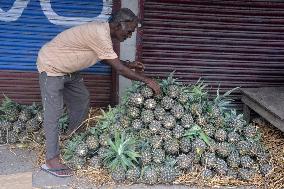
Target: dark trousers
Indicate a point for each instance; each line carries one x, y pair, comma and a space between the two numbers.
55, 92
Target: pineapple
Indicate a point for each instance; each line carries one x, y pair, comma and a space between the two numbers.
167, 102
133, 174
173, 91
207, 173
220, 135
171, 146
233, 137
165, 133
232, 173
102, 153
11, 109
3, 135
92, 142
234, 159
158, 155
198, 146
19, 126
246, 174
208, 160
76, 162
224, 149
146, 156
168, 172
178, 131
81, 150
247, 162
95, 162
149, 175
146, 92
144, 133
169, 122
250, 131
184, 161
147, 116
32, 125
185, 145
187, 121
177, 111
183, 98
235, 120
155, 126
12, 137
137, 124
124, 121
133, 112
136, 99
150, 104
243, 147
118, 174
103, 139
159, 113
221, 167
196, 109
209, 130
265, 168
25, 114
156, 141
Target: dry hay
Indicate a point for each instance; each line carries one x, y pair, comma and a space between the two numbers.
272, 138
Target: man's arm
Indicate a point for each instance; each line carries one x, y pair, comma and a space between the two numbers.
128, 73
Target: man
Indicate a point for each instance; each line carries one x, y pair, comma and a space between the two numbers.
58, 64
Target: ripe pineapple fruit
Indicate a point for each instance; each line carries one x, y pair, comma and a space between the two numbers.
149, 175
158, 155
137, 124
247, 162
147, 116
150, 104
76, 162
178, 131
169, 122
95, 162
224, 149
133, 112
250, 131
165, 133
234, 159
185, 145
173, 91
103, 139
177, 111
146, 92
220, 135
118, 174
156, 141
32, 125
168, 172
133, 174
196, 109
81, 150
209, 130
184, 161
171, 146
159, 113
167, 102
146, 156
187, 120
243, 147
221, 167
208, 160
246, 174
198, 146
155, 126
233, 137
92, 142
136, 99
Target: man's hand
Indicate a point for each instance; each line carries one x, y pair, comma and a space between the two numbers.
153, 85
137, 66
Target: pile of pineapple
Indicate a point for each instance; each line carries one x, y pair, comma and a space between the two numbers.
20, 123
155, 139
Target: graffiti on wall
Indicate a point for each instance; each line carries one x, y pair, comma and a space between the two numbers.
46, 5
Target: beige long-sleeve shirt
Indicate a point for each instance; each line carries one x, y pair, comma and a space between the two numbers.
75, 49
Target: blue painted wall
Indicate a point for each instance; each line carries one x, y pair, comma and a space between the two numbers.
26, 25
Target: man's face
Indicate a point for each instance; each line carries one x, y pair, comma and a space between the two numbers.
125, 30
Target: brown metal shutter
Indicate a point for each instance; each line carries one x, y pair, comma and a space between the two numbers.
231, 43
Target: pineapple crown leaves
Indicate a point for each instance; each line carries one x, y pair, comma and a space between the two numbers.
222, 101
108, 118
132, 89
7, 103
196, 131
71, 146
197, 90
169, 81
121, 152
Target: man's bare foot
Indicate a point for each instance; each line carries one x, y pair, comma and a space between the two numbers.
57, 168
